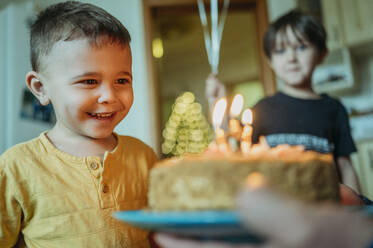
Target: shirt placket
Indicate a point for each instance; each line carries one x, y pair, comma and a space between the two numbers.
104, 191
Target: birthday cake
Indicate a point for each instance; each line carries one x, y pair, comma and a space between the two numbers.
211, 181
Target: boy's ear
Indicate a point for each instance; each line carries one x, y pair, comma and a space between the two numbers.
37, 87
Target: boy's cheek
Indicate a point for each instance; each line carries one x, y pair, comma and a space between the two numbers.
129, 102
126, 97
131, 98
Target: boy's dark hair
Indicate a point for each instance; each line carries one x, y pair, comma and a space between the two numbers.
301, 24
73, 20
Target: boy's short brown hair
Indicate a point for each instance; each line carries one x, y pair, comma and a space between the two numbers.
302, 24
73, 20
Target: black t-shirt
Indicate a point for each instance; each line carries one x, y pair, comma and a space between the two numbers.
317, 124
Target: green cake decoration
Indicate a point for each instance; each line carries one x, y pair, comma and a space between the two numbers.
187, 130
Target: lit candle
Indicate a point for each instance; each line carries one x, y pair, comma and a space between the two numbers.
234, 125
217, 118
246, 119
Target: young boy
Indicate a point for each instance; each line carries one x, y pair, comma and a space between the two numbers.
295, 44
60, 189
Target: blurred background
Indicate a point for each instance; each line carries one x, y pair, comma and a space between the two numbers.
169, 58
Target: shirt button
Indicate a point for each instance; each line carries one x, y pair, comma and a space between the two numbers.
105, 188
94, 166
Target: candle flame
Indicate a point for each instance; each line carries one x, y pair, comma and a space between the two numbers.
237, 105
218, 112
247, 117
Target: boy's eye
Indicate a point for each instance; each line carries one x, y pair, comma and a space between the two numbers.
123, 81
301, 47
279, 50
90, 81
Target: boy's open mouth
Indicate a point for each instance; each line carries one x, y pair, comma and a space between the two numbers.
102, 116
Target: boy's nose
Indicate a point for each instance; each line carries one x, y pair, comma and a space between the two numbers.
291, 54
106, 94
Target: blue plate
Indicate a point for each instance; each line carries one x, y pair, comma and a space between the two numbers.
208, 225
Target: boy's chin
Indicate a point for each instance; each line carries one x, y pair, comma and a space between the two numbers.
296, 83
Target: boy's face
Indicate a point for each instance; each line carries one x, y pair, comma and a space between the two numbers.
90, 87
294, 59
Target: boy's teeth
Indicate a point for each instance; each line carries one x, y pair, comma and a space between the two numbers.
102, 115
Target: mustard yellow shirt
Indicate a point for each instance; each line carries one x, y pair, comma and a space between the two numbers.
49, 198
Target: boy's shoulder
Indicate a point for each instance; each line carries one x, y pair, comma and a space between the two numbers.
334, 103
18, 153
22, 149
330, 99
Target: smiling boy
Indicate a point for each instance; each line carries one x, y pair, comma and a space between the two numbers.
91, 91
60, 189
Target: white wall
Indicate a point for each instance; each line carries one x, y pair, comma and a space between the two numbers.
14, 54
3, 76
14, 65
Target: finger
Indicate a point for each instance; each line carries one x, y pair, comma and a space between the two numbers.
349, 196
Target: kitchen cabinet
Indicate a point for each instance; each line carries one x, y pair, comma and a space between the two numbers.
333, 23
363, 164
357, 21
348, 23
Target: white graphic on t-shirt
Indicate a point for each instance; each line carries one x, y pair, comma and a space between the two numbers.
310, 142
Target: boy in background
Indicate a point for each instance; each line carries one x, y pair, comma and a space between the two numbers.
60, 189
295, 44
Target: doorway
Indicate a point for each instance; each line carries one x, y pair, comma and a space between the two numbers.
178, 58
